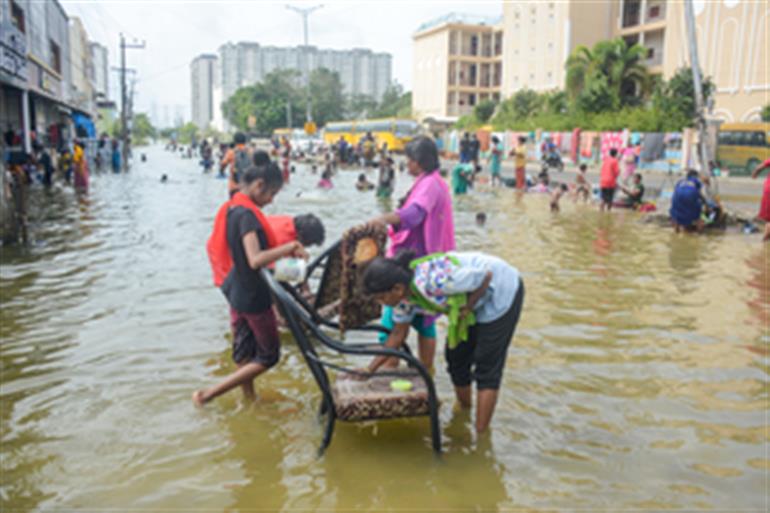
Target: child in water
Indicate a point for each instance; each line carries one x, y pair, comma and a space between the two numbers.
556, 195
326, 180
363, 184
252, 244
582, 187
481, 295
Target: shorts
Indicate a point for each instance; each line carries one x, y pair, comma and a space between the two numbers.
481, 358
255, 337
608, 194
418, 323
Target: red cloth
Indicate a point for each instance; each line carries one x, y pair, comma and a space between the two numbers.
283, 228
609, 174
219, 252
764, 208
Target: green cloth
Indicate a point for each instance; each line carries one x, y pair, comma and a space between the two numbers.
460, 174
459, 326
495, 159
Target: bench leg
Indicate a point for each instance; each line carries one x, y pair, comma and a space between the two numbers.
435, 430
327, 433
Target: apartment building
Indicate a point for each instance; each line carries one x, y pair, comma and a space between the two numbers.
457, 64
361, 70
538, 37
203, 81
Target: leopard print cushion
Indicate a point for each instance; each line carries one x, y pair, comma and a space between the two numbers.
374, 399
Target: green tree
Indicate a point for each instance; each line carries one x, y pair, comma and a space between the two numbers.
675, 98
765, 114
328, 101
609, 68
268, 102
524, 104
360, 106
484, 110
142, 129
394, 103
186, 132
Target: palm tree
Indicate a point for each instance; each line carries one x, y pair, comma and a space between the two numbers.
614, 61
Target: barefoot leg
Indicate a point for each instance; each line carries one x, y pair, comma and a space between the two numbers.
486, 399
244, 374
463, 395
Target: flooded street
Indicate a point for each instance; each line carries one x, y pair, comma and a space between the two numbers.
638, 377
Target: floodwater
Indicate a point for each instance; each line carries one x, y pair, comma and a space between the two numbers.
637, 379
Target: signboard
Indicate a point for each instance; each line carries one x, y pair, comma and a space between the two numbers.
13, 51
12, 63
310, 128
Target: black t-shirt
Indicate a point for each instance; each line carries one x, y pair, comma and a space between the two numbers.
244, 288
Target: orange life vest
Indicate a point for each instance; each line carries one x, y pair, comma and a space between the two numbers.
219, 252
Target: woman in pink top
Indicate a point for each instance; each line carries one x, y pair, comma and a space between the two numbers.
629, 163
424, 225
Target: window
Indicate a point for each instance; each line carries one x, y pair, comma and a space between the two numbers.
654, 11
471, 99
17, 16
55, 57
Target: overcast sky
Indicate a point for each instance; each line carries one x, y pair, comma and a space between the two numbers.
176, 31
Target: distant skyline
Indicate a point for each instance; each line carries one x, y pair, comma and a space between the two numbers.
176, 31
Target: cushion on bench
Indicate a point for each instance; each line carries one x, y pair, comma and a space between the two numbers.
374, 399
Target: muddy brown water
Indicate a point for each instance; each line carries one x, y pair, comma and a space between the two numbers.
637, 379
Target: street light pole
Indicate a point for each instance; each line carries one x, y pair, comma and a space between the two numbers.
305, 13
700, 119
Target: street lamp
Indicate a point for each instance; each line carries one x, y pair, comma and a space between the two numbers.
305, 12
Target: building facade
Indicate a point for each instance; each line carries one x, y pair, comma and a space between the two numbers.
361, 71
81, 92
538, 37
457, 63
733, 47
202, 84
101, 71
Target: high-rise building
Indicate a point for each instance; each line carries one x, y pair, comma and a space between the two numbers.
202, 83
101, 74
456, 65
361, 71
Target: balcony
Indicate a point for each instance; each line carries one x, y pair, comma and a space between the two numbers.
632, 10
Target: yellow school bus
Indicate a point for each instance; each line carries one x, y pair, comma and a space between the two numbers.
741, 146
395, 132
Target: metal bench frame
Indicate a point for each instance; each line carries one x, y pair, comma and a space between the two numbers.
305, 323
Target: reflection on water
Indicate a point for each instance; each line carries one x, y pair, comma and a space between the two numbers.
638, 377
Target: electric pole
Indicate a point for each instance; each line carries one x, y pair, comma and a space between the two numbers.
305, 13
123, 98
700, 118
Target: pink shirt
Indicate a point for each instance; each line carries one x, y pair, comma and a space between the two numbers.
609, 174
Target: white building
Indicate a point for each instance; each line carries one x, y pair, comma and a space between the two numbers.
202, 83
81, 93
361, 71
101, 71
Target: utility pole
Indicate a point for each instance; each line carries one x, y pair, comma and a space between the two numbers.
123, 99
700, 118
305, 12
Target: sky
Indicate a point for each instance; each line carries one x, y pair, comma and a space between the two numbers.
176, 31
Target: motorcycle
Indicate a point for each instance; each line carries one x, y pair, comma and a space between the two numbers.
552, 160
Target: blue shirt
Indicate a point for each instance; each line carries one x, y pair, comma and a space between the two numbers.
473, 268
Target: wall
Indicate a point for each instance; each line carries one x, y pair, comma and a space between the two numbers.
429, 74
733, 48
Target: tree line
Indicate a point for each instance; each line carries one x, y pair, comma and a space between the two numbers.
280, 98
